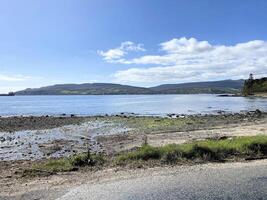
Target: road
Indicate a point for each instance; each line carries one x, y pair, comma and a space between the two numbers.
212, 181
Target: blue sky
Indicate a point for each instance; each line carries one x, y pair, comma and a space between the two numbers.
137, 42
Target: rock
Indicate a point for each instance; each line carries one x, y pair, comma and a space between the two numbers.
2, 139
220, 112
258, 113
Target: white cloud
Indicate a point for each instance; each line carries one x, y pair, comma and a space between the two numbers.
185, 59
114, 55
184, 46
17, 77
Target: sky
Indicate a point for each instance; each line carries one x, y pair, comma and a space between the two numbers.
136, 42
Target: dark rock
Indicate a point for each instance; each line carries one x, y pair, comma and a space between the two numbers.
258, 113
2, 139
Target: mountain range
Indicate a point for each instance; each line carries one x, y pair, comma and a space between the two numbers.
211, 87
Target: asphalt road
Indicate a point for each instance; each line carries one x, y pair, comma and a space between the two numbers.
222, 181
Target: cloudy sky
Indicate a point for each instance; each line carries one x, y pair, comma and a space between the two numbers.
140, 42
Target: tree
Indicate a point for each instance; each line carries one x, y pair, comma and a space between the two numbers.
248, 86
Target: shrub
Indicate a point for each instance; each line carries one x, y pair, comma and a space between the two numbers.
86, 159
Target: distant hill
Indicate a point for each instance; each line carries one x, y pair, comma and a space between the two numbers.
84, 89
255, 86
212, 87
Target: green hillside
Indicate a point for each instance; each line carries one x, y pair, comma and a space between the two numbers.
255, 86
84, 89
212, 87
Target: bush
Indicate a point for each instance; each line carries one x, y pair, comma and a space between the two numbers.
86, 159
81, 160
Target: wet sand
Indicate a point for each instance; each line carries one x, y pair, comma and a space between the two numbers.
57, 142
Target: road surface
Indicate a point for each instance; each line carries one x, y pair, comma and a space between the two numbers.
212, 181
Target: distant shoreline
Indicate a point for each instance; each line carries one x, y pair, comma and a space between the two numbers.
209, 87
4, 95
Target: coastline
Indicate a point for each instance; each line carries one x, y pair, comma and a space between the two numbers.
57, 137
30, 122
264, 95
35, 138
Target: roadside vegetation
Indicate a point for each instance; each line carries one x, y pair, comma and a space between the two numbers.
205, 150
227, 149
72, 163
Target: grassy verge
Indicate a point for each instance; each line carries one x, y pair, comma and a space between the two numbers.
206, 150
199, 151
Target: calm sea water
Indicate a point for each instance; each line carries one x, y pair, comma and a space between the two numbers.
138, 104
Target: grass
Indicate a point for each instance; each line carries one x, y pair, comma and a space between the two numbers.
200, 151
148, 124
206, 150
72, 163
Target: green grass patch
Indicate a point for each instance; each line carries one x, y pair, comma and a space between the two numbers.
206, 150
54, 165
72, 163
